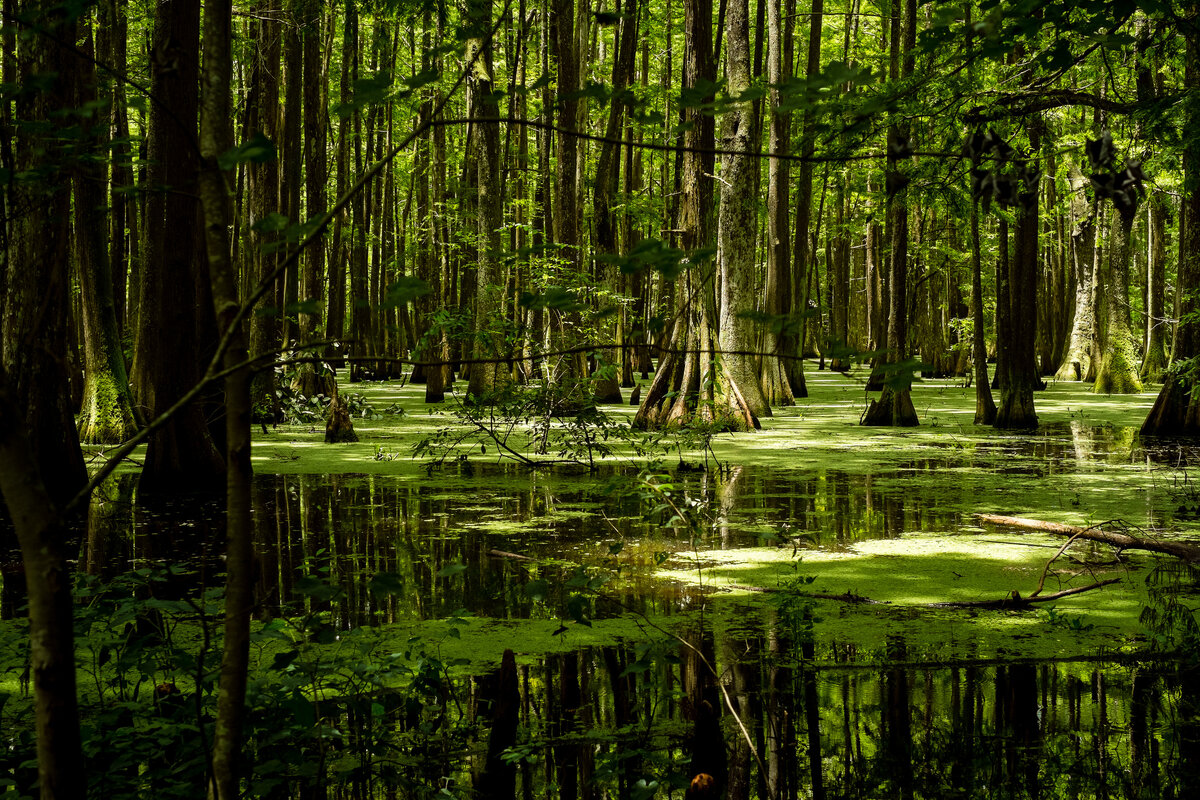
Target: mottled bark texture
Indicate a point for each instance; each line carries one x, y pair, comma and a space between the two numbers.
895, 406
740, 392
1118, 369
675, 393
1077, 362
488, 372
1155, 360
265, 204
985, 406
607, 387
1016, 368
107, 413
775, 383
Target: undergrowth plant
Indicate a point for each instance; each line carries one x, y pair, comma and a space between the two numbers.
537, 424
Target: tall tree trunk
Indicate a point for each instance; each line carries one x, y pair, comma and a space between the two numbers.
894, 406
674, 393
37, 429
1017, 367
292, 159
44, 555
776, 386
37, 280
107, 414
744, 400
1117, 373
111, 35
985, 406
608, 389
1155, 361
216, 139
793, 343
181, 455
488, 372
1176, 411
1077, 362
567, 178
265, 208
313, 378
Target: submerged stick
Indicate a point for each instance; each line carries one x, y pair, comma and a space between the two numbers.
1015, 601
1184, 550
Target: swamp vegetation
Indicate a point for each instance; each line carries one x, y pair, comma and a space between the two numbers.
319, 477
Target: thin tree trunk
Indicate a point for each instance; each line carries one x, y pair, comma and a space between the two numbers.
488, 374
776, 385
44, 555
985, 406
216, 139
1155, 361
793, 344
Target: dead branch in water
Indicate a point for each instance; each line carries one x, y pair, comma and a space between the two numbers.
1014, 602
1185, 550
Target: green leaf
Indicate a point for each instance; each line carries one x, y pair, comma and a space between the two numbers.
555, 298
259, 150
450, 570
271, 223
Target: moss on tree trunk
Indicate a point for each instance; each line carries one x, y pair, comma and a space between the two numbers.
1118, 369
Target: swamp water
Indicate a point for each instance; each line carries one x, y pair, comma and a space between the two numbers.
389, 593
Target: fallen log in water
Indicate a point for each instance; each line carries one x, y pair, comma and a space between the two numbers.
1184, 550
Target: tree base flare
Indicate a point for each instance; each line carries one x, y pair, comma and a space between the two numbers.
893, 408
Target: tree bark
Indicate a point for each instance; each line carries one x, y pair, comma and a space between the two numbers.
1017, 367
675, 392
985, 406
44, 555
895, 406
607, 388
107, 414
216, 139
778, 303
793, 343
181, 456
488, 373
1078, 361
1185, 550
1155, 360
265, 209
37, 280
736, 233
1118, 370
